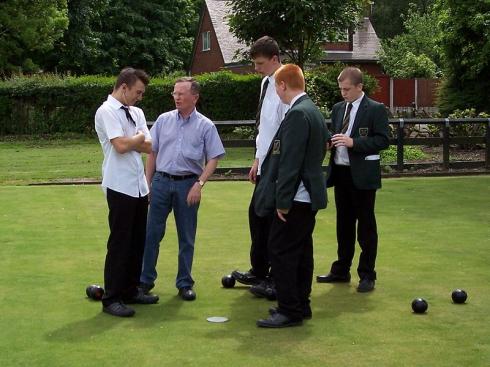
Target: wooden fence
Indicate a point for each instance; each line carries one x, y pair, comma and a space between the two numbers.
400, 138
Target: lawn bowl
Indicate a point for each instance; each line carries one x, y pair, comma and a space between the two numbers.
419, 305
228, 281
459, 296
95, 292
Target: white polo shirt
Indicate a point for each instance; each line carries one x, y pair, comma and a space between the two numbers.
123, 173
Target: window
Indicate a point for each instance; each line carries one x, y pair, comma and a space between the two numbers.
206, 41
343, 36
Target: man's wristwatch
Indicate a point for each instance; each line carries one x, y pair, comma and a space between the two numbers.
201, 183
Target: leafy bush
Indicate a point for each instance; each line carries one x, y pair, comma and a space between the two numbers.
48, 104
468, 129
410, 153
51, 103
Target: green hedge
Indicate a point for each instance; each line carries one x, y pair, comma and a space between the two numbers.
48, 104
52, 104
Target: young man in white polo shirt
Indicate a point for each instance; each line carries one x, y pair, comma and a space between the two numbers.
123, 135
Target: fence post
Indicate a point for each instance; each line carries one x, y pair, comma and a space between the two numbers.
487, 145
445, 145
399, 146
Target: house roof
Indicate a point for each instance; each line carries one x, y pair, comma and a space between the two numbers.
229, 44
364, 48
365, 45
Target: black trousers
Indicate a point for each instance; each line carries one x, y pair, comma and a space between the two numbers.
259, 234
125, 246
354, 206
291, 254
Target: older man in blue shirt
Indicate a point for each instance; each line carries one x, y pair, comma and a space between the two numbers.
185, 151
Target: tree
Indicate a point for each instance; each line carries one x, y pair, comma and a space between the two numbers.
106, 35
465, 44
387, 15
299, 26
27, 30
414, 53
151, 35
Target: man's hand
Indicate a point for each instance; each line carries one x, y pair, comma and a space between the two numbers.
252, 175
194, 195
341, 140
281, 214
139, 137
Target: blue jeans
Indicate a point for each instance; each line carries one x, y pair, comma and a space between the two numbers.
167, 194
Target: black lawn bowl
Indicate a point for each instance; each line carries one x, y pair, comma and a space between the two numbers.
228, 281
419, 305
459, 296
95, 292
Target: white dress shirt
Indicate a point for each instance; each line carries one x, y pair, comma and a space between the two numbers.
123, 173
271, 115
341, 154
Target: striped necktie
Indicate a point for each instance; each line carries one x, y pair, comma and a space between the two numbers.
345, 122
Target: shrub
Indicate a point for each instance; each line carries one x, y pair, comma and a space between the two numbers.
410, 153
52, 103
49, 104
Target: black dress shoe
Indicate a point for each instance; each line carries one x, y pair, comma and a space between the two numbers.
245, 277
333, 278
187, 294
118, 309
306, 312
278, 320
365, 285
142, 298
146, 287
266, 289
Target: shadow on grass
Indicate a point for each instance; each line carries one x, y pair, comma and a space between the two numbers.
81, 330
246, 309
146, 316
339, 299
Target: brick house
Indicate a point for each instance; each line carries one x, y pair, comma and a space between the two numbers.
215, 46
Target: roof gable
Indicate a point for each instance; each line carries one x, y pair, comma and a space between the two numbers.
228, 43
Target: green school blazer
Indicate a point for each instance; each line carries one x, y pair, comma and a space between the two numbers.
370, 135
295, 154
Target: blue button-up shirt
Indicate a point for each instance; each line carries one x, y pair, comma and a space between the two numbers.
182, 146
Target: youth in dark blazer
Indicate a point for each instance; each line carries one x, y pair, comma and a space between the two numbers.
292, 190
355, 173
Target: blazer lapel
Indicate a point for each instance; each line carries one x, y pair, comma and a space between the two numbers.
300, 99
360, 113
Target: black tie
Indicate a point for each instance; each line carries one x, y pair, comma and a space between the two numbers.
345, 122
128, 115
261, 101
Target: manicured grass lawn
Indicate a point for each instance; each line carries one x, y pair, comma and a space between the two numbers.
35, 160
434, 237
25, 160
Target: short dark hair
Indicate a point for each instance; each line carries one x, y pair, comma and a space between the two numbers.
265, 46
351, 73
129, 76
195, 86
